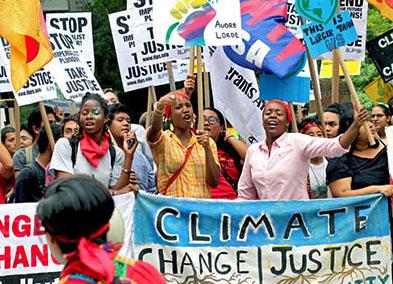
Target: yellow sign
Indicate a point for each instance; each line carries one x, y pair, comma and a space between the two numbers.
327, 68
379, 91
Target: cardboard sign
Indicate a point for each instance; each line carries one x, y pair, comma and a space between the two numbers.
140, 57
79, 27
322, 38
39, 87
265, 241
358, 9
197, 22
327, 68
379, 91
71, 72
5, 84
318, 11
293, 89
236, 94
380, 50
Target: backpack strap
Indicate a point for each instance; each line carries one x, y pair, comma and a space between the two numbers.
74, 150
112, 152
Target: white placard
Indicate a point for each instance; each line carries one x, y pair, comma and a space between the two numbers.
79, 26
196, 22
39, 87
236, 95
5, 84
71, 72
140, 68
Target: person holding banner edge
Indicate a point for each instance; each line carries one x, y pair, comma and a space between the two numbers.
187, 163
277, 168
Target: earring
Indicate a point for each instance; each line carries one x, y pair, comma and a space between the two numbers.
171, 126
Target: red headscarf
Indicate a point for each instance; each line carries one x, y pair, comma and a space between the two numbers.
284, 105
179, 94
310, 125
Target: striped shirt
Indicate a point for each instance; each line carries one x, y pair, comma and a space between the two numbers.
169, 153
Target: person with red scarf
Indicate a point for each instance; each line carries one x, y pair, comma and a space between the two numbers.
75, 214
277, 167
91, 151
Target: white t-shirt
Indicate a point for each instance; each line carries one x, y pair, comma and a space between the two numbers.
61, 161
317, 175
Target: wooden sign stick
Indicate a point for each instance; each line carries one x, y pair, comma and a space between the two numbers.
200, 87
45, 120
171, 77
192, 60
17, 124
354, 95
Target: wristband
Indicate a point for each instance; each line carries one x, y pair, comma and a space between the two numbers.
127, 171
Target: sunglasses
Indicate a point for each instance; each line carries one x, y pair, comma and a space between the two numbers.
211, 120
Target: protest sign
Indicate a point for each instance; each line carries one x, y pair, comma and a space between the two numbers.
317, 11
64, 105
192, 23
71, 72
293, 89
321, 38
327, 66
379, 91
380, 50
39, 87
268, 46
358, 9
236, 94
319, 241
24, 253
294, 20
79, 27
139, 56
5, 84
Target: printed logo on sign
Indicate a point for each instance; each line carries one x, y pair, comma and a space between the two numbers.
319, 11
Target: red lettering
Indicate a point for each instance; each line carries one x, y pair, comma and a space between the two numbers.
21, 230
37, 254
20, 257
38, 228
6, 258
5, 226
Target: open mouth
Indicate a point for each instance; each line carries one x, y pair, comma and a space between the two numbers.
89, 124
187, 117
272, 123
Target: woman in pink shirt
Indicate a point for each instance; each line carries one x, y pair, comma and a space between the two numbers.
277, 167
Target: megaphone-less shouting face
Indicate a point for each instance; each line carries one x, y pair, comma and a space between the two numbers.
276, 118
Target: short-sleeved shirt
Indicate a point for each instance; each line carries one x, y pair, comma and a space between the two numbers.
363, 171
143, 146
61, 161
20, 157
170, 153
144, 172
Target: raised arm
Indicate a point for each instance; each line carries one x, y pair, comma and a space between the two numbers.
350, 135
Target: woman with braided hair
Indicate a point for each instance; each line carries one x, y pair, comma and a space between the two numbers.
91, 151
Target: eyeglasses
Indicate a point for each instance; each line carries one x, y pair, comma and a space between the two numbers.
211, 120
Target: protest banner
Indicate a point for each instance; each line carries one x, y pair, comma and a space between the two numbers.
140, 58
380, 49
327, 66
322, 38
379, 91
267, 46
318, 11
39, 87
79, 27
193, 23
24, 253
72, 74
236, 94
64, 105
318, 241
358, 9
294, 20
